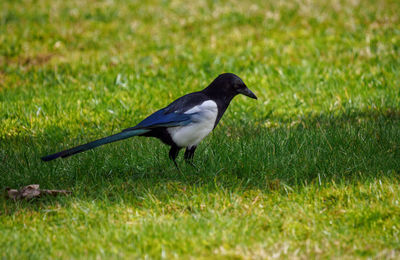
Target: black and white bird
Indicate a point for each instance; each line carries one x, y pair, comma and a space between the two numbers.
183, 123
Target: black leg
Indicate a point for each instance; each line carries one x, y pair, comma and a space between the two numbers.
189, 154
173, 153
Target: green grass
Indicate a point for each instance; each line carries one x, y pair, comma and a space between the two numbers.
309, 170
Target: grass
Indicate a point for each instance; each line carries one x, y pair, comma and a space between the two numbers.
310, 170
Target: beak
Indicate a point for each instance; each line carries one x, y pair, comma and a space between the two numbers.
247, 92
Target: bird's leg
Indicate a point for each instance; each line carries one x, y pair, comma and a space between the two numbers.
173, 153
189, 153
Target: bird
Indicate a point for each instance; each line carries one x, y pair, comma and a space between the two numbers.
182, 124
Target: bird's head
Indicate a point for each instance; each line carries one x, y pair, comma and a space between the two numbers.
232, 85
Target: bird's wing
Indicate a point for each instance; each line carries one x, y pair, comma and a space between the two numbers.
173, 115
162, 119
186, 103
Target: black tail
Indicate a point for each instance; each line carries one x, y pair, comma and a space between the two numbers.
94, 144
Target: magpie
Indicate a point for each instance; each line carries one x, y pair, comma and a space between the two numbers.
183, 123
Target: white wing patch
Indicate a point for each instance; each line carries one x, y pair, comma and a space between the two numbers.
203, 123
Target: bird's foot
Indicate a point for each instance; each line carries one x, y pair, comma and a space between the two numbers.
177, 167
190, 162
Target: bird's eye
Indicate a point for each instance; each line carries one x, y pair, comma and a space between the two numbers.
241, 85
238, 85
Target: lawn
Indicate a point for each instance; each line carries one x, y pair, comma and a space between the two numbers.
309, 170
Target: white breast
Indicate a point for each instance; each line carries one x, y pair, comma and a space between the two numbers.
203, 123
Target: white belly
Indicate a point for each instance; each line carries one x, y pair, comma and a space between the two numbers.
203, 123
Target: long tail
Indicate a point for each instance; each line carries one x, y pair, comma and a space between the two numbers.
94, 144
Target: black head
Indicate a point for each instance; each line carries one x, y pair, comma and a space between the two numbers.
230, 84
